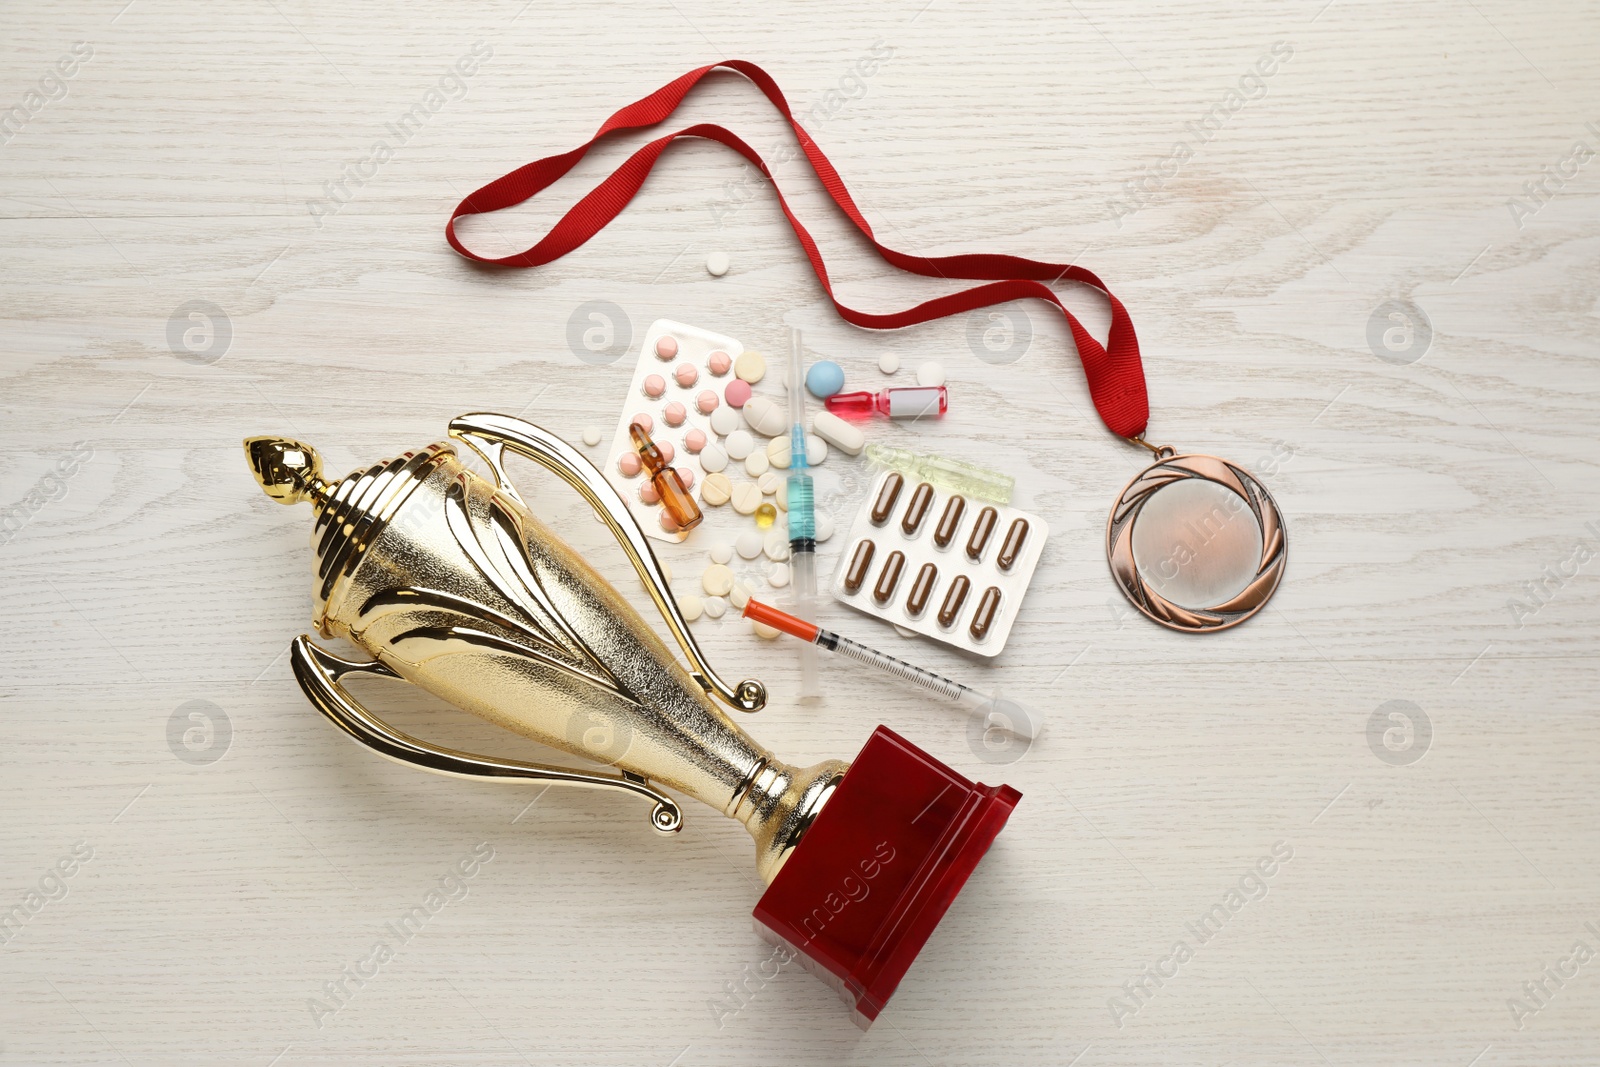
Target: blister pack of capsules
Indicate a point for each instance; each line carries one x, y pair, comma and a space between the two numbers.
938, 563
679, 386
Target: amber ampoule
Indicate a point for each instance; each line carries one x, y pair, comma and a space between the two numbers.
669, 487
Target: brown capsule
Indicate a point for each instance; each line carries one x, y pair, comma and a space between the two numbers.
981, 529
922, 589
888, 493
1011, 547
949, 522
890, 576
983, 618
953, 599
860, 563
917, 510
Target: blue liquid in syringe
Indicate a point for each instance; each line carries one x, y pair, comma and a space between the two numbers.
802, 517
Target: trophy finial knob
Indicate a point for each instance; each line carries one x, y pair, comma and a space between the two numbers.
287, 470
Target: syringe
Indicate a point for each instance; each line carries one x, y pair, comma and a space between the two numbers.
998, 712
802, 516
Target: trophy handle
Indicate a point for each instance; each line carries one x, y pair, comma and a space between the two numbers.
320, 674
489, 435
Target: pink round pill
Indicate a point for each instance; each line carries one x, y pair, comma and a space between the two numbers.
666, 450
686, 374
644, 420
628, 463
674, 414
654, 386
706, 402
694, 441
686, 476
719, 362
647, 493
668, 523
737, 392
666, 346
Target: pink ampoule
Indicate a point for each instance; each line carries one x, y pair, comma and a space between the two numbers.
912, 402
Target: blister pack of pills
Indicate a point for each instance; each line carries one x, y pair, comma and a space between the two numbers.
935, 562
682, 381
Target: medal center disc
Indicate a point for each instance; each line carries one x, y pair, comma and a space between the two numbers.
1196, 543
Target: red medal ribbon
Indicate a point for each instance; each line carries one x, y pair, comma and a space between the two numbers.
1116, 376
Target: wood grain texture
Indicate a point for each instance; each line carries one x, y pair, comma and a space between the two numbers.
1376, 164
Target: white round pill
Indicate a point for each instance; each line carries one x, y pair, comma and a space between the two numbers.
746, 498
717, 580
725, 420
889, 362
717, 263
716, 490
750, 367
781, 497
901, 630
763, 631
778, 576
778, 452
768, 483
824, 525
739, 595
816, 450
591, 435
716, 607
755, 464
690, 606
749, 544
713, 458
738, 445
721, 552
930, 374
665, 570
776, 546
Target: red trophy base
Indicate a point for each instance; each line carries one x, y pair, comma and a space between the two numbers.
879, 867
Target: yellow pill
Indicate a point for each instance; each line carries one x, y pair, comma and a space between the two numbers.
766, 515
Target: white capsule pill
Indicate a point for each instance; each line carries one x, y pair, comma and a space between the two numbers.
739, 444
755, 464
716, 607
713, 458
838, 433
725, 420
746, 498
778, 576
764, 416
690, 606
717, 263
776, 546
721, 552
749, 545
930, 374
591, 435
889, 362
717, 580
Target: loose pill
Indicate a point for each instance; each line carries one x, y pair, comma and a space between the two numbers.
666, 346
816, 450
647, 492
654, 386
917, 510
1011, 547
778, 452
748, 545
778, 576
690, 607
950, 521
755, 464
716, 491
888, 493
674, 413
776, 546
739, 444
766, 515
768, 483
746, 498
822, 522
739, 595
629, 464
713, 457
763, 631
685, 374
721, 552
717, 580
724, 420
716, 607
954, 597
717, 263
889, 577
736, 393
643, 421
765, 417
922, 590
860, 564
706, 402
838, 433
983, 617
718, 362
889, 362
751, 367
694, 440
930, 374
591, 435
781, 497
824, 378
981, 529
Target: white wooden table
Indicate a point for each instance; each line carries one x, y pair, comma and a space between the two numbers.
1430, 469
